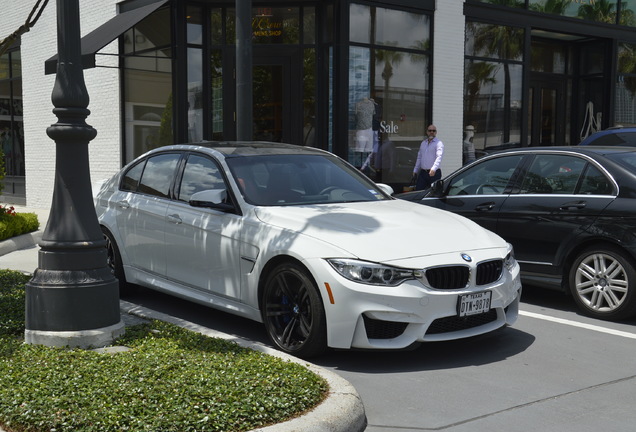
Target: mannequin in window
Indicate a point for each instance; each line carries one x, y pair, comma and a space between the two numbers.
364, 111
468, 145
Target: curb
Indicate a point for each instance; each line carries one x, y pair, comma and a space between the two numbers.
341, 411
23, 241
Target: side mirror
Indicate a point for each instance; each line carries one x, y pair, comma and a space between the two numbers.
385, 188
437, 188
212, 198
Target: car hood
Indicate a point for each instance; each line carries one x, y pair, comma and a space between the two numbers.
383, 231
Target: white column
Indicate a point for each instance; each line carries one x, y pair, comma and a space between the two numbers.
448, 79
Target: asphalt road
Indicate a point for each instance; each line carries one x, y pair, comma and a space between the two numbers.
554, 370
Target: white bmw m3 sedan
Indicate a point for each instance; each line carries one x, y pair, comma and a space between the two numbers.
300, 240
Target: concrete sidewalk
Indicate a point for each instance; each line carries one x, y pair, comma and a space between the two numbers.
341, 411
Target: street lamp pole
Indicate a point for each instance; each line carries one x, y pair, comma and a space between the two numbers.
73, 297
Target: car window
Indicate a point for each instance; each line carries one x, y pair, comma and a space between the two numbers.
553, 174
199, 174
594, 182
485, 178
130, 181
616, 139
158, 174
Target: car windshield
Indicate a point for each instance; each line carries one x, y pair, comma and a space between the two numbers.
300, 180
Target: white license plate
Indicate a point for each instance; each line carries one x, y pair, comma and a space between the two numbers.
473, 304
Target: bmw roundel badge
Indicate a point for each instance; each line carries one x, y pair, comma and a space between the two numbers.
466, 257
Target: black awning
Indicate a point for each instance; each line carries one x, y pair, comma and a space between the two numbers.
105, 34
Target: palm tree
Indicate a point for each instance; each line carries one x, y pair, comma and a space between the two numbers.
600, 10
390, 59
478, 74
627, 65
551, 6
503, 42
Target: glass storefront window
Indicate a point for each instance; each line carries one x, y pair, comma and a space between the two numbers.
388, 91
194, 25
494, 41
360, 23
195, 95
147, 79
309, 98
492, 91
548, 57
309, 25
625, 88
11, 125
216, 27
217, 94
628, 13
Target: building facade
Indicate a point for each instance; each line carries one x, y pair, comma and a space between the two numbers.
362, 79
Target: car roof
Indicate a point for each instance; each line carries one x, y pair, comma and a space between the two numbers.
247, 148
587, 150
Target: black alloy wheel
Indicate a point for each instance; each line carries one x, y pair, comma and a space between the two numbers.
603, 283
115, 264
293, 311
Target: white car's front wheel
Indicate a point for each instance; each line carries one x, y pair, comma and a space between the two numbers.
293, 311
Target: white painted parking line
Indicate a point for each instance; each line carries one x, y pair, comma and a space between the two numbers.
578, 324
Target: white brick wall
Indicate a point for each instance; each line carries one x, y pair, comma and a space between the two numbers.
448, 79
39, 44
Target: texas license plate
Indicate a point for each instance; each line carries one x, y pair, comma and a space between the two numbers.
473, 304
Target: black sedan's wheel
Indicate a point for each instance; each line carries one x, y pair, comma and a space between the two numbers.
115, 264
293, 311
603, 283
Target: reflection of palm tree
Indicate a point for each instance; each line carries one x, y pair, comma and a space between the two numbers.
502, 42
627, 65
421, 45
390, 59
478, 74
600, 10
551, 6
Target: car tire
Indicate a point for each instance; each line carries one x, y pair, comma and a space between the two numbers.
293, 311
115, 264
603, 283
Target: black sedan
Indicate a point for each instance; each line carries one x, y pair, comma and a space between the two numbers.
569, 212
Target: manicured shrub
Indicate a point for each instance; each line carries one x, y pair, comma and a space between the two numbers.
13, 224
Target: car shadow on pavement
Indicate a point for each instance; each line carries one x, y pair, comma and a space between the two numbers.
479, 350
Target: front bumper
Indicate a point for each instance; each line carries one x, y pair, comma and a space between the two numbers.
372, 317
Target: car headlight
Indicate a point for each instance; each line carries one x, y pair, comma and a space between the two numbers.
510, 260
371, 273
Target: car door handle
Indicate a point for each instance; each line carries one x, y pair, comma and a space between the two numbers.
123, 205
573, 205
175, 219
485, 206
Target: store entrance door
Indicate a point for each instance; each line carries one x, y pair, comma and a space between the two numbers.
546, 112
276, 101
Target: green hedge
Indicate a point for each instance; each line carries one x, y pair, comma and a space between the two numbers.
171, 379
17, 224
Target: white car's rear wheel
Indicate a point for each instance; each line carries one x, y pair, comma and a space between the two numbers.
293, 311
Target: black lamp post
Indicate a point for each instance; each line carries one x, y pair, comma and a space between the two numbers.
73, 298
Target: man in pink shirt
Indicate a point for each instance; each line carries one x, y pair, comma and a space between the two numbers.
429, 157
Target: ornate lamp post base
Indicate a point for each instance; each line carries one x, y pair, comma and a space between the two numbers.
75, 339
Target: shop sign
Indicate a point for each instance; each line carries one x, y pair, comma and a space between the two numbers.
390, 128
266, 25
